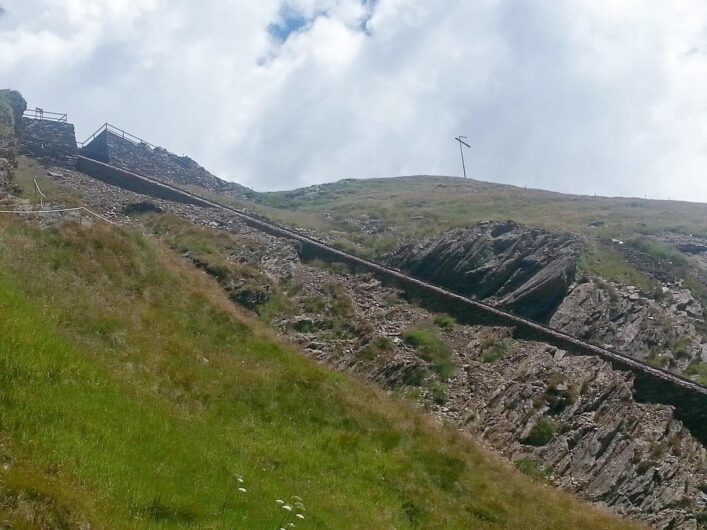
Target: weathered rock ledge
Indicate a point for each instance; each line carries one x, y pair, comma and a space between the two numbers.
525, 270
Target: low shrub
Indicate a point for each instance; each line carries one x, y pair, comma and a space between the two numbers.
497, 350
541, 434
529, 467
432, 348
444, 322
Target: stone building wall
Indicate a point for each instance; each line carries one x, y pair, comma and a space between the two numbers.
51, 142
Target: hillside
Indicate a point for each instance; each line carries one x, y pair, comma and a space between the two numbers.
570, 417
425, 205
136, 394
138, 413
638, 459
609, 270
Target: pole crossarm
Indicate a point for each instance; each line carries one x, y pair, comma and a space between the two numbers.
462, 143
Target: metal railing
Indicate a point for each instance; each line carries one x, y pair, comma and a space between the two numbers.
118, 132
38, 113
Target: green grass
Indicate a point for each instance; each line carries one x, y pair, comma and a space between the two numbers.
541, 433
445, 322
659, 251
432, 348
496, 350
27, 172
209, 250
528, 467
132, 391
419, 206
605, 261
699, 372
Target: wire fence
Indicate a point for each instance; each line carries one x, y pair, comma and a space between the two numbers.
60, 210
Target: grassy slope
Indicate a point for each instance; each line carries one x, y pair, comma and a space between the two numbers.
131, 392
415, 207
420, 204
28, 171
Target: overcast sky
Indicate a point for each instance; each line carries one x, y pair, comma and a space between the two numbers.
586, 96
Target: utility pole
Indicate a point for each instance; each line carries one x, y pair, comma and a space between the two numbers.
462, 143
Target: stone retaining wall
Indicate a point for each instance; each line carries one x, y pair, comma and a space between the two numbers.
132, 182
51, 142
157, 163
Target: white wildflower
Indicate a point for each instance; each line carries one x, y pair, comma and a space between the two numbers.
287, 507
280, 501
242, 490
299, 516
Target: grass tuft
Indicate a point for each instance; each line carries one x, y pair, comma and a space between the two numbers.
432, 348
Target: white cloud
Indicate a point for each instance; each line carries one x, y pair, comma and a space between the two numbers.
588, 96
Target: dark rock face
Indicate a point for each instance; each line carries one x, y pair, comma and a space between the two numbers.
158, 163
51, 142
523, 269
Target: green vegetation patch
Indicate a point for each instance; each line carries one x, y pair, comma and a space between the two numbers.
445, 322
659, 251
699, 372
604, 261
529, 467
496, 350
432, 348
541, 433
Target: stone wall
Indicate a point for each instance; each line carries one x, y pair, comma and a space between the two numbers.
50, 142
132, 182
157, 163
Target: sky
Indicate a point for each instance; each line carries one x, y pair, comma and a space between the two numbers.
581, 96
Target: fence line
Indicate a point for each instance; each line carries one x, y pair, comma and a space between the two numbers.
60, 210
41, 193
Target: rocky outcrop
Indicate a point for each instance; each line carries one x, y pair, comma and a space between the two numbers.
661, 331
12, 106
596, 441
525, 270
